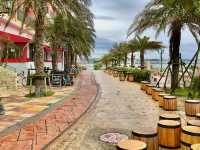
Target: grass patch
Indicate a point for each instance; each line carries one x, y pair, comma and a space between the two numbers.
183, 92
45, 94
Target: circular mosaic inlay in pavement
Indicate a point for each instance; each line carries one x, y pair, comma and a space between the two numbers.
113, 138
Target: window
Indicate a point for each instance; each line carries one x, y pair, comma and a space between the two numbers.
10, 50
31, 52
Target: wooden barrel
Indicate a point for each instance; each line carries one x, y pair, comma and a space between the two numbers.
170, 103
169, 133
115, 74
193, 123
198, 116
161, 99
190, 135
122, 77
153, 93
149, 89
131, 145
130, 77
192, 107
167, 116
195, 147
143, 85
147, 135
158, 91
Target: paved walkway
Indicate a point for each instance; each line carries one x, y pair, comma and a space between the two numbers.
19, 108
122, 107
34, 133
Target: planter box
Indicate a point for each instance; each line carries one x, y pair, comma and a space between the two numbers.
130, 78
122, 77
115, 74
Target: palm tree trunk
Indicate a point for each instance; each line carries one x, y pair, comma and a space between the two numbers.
142, 58
75, 59
175, 45
125, 60
39, 52
132, 59
54, 58
72, 59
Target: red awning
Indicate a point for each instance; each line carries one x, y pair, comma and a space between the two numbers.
47, 48
13, 37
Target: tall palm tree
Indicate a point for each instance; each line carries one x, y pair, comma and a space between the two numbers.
71, 8
143, 44
125, 49
80, 38
174, 14
55, 35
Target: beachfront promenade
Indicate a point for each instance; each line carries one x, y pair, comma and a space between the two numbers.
121, 107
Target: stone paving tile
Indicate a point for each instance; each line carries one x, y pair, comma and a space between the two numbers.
37, 134
121, 108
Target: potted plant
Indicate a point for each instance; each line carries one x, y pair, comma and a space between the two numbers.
122, 73
130, 75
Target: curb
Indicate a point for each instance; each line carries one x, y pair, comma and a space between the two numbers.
94, 101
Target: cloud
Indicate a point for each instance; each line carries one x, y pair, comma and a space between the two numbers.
113, 18
100, 17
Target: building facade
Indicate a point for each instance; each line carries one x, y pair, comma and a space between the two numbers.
16, 49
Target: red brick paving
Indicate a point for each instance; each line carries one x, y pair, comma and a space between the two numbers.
36, 135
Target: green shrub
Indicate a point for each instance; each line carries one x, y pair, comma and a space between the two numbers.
195, 87
123, 70
97, 66
140, 75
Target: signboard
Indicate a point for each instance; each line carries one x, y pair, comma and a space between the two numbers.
56, 79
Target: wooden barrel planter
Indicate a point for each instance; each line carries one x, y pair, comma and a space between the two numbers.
192, 107
169, 132
198, 116
147, 135
131, 145
157, 92
122, 76
170, 103
195, 147
143, 85
115, 74
149, 89
130, 77
193, 123
161, 98
166, 116
190, 135
153, 93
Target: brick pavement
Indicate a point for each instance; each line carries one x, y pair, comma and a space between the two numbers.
36, 134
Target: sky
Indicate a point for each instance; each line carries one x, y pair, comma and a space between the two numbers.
112, 20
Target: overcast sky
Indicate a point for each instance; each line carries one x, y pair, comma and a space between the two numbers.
113, 18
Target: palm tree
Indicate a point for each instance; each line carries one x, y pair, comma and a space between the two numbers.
125, 49
55, 35
144, 44
71, 8
162, 14
80, 38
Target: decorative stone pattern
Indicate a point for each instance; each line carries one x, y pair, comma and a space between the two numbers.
38, 133
8, 78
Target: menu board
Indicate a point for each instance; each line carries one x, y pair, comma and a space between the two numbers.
56, 79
